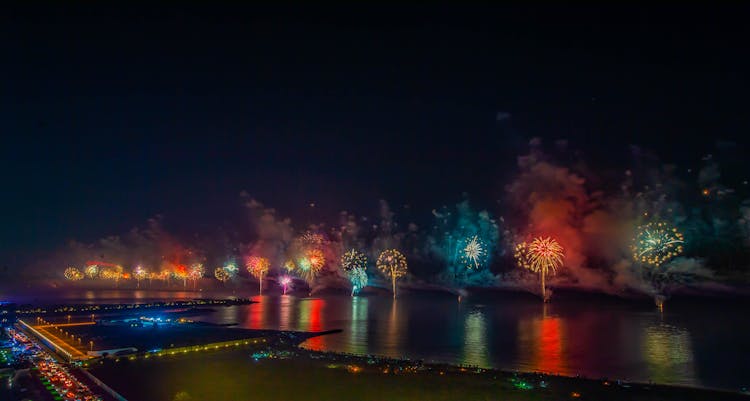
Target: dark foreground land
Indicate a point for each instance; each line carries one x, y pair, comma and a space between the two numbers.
304, 375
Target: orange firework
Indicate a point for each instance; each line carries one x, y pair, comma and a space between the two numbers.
316, 259
392, 264
542, 255
180, 271
258, 267
222, 274
73, 274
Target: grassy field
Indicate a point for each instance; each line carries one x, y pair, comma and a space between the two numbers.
234, 375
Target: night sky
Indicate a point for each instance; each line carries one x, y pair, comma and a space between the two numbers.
110, 116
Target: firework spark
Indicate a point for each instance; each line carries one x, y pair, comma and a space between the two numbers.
310, 265
164, 275
542, 255
316, 259
285, 282
221, 274
196, 273
392, 264
92, 271
656, 243
181, 272
110, 271
312, 239
474, 253
358, 277
353, 259
73, 274
231, 269
139, 273
258, 267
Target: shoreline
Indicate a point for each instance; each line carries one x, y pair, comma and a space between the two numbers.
446, 367
350, 368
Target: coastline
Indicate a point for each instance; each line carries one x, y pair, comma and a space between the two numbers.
400, 377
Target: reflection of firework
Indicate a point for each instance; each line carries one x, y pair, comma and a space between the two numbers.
474, 253
258, 267
392, 264
73, 274
221, 274
358, 277
542, 255
656, 243
352, 260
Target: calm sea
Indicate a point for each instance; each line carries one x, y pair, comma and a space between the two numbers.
691, 342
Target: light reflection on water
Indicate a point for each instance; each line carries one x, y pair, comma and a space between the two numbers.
633, 343
358, 328
541, 344
668, 351
474, 351
693, 344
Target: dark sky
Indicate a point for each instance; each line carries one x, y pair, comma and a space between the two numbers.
112, 115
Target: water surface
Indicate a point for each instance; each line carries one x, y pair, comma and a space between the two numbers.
696, 342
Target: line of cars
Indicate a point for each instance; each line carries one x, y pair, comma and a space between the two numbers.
57, 378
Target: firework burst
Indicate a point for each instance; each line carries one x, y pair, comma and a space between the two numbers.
139, 273
312, 239
258, 267
196, 273
352, 260
92, 271
221, 274
164, 275
310, 265
232, 268
474, 253
181, 272
656, 243
392, 264
111, 272
543, 256
358, 277
316, 259
285, 282
73, 274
